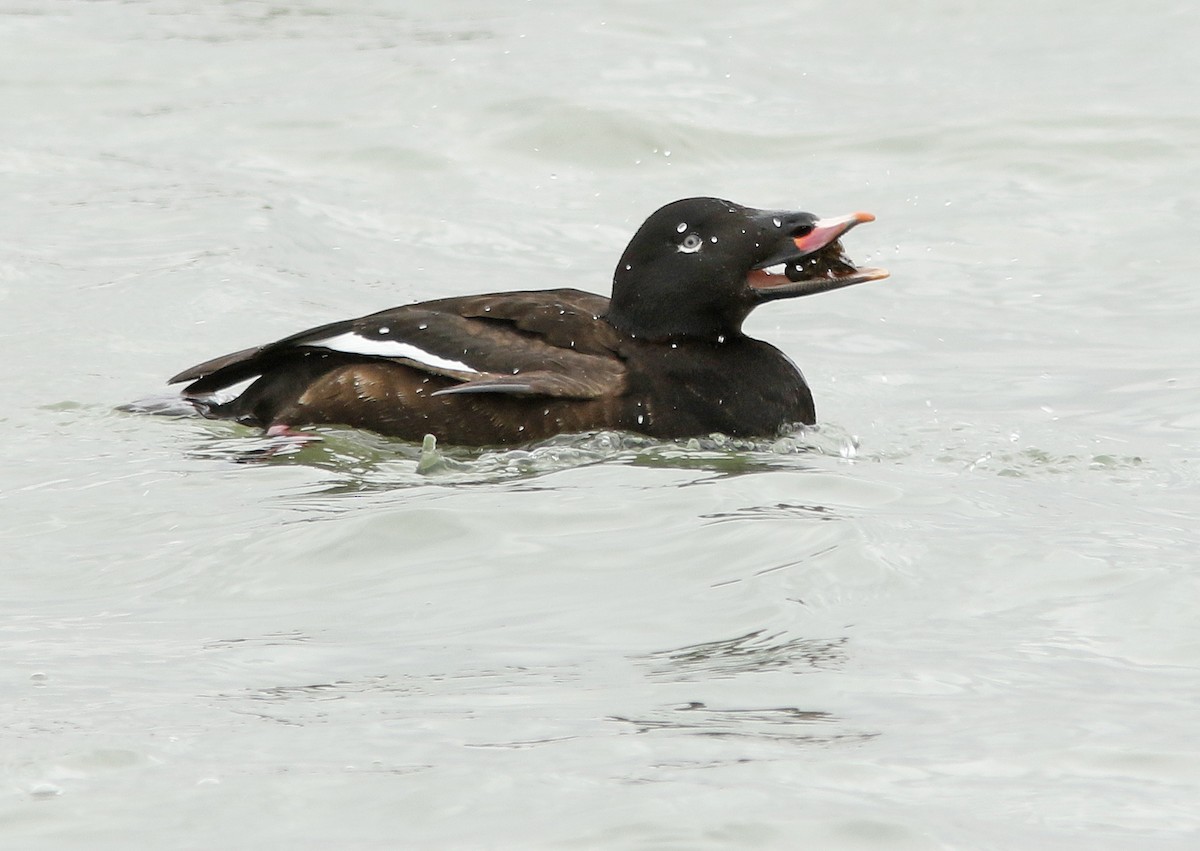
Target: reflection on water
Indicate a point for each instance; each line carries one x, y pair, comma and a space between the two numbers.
364, 461
778, 511
750, 653
270, 640
780, 724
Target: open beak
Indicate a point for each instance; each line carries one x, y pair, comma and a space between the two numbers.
812, 262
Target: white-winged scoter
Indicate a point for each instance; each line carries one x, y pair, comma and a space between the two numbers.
665, 356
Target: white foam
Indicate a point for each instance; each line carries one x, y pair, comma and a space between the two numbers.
354, 344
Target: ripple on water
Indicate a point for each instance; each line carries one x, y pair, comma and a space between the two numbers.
364, 461
753, 652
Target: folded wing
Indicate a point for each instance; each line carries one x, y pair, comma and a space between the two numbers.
542, 343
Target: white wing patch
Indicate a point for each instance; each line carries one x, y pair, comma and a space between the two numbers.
353, 344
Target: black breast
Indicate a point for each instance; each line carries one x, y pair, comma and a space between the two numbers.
741, 387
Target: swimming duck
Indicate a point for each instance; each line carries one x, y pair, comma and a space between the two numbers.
664, 356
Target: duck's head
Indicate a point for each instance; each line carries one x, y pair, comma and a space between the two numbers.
697, 267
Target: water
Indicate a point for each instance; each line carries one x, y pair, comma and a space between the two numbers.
960, 614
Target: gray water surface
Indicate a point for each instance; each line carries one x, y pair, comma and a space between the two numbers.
959, 614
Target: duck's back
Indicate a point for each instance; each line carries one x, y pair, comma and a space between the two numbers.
485, 369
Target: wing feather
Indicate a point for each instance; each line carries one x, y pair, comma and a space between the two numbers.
547, 343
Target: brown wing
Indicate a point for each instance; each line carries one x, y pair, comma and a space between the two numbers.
540, 343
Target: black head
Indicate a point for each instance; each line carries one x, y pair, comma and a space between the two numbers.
697, 267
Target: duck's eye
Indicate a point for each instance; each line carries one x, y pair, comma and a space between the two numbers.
803, 230
691, 243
